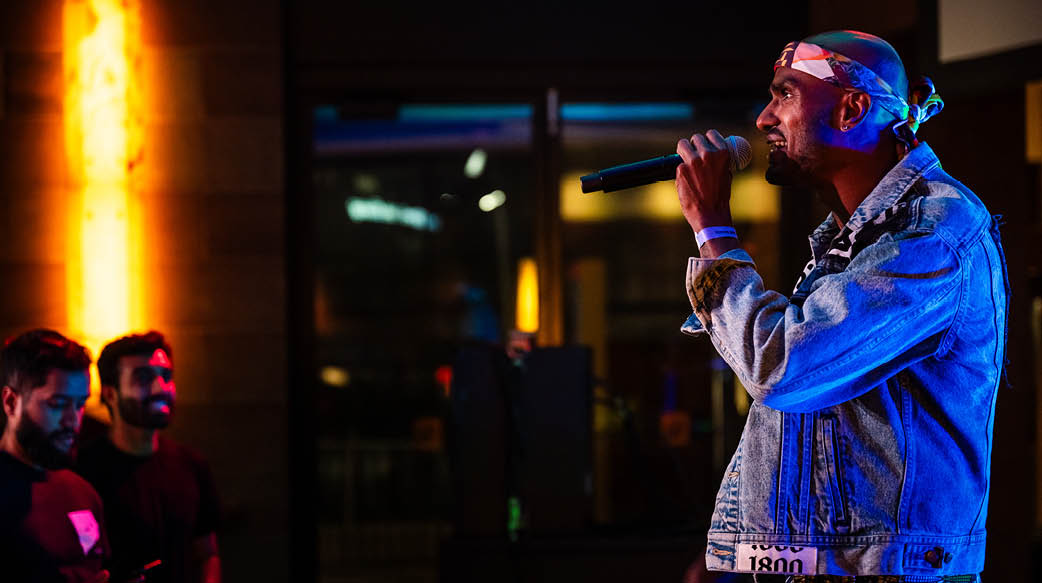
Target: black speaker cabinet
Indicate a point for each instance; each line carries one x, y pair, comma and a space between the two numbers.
478, 443
556, 440
521, 429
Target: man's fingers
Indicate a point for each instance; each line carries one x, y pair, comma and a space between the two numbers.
686, 150
716, 139
684, 174
701, 144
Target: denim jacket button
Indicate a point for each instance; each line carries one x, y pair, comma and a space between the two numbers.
934, 556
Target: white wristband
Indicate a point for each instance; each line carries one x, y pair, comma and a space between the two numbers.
714, 233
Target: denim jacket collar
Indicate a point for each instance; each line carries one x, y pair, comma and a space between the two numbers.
886, 194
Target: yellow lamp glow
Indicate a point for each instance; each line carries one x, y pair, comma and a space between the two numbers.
335, 376
102, 141
527, 296
752, 200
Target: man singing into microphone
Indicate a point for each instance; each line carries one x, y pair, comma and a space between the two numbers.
867, 448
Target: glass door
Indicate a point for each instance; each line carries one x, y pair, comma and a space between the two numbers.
423, 212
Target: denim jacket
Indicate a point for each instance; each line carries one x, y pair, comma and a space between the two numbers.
868, 444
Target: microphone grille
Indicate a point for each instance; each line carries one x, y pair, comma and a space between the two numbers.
741, 152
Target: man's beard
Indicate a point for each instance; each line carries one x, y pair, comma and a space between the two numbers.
139, 413
802, 162
785, 172
800, 170
39, 446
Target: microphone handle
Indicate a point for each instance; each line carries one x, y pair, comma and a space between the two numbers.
634, 174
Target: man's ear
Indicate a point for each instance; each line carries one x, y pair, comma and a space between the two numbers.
108, 395
9, 399
853, 109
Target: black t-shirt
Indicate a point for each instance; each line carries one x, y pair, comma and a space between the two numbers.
51, 525
155, 506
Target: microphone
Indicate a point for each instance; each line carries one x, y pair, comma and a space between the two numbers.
656, 169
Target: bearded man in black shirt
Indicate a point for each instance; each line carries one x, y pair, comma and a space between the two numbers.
51, 523
160, 500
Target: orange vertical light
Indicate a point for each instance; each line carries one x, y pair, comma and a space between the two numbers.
527, 296
103, 132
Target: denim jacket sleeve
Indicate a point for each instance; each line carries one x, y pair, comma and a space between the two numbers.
890, 307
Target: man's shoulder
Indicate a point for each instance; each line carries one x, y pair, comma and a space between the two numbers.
16, 474
75, 485
191, 466
69, 478
181, 453
950, 209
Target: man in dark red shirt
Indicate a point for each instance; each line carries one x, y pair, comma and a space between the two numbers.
160, 500
51, 520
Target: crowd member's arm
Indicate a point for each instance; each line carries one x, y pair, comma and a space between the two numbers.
98, 510
207, 558
205, 543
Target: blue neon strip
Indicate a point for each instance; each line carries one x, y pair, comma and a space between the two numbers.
463, 113
326, 114
627, 111
498, 112
380, 129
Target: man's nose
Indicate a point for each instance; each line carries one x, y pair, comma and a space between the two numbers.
160, 385
72, 416
766, 120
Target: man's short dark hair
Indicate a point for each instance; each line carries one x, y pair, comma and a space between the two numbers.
26, 359
129, 345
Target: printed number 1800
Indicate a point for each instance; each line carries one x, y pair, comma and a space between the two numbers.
777, 560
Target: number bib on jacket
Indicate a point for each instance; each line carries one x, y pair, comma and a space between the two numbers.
778, 560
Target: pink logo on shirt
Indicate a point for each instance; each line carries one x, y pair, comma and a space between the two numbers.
86, 528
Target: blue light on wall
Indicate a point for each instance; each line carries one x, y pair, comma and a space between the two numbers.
423, 127
463, 112
439, 126
623, 112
